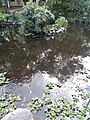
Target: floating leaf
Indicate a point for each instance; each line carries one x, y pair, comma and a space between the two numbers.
12, 108
3, 79
4, 97
50, 85
58, 84
48, 101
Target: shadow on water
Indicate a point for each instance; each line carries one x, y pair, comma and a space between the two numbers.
32, 64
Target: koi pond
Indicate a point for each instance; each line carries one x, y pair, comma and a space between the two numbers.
49, 75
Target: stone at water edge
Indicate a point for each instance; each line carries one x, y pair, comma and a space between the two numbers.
19, 114
36, 117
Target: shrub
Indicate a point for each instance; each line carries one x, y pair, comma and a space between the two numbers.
61, 22
3, 18
9, 24
34, 18
77, 9
54, 6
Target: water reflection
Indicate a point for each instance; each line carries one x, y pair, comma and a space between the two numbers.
57, 57
38, 61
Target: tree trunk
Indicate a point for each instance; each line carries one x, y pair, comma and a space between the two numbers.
24, 2
0, 3
6, 5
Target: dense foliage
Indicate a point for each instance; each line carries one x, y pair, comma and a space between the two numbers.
61, 107
78, 9
3, 79
8, 22
3, 20
54, 6
3, 17
59, 26
60, 22
34, 18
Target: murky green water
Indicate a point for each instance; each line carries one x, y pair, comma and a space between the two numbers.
31, 65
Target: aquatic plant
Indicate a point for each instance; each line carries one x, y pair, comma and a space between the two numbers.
3, 79
50, 85
61, 107
35, 105
7, 103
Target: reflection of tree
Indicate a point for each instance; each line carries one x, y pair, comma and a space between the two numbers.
58, 58
55, 59
12, 57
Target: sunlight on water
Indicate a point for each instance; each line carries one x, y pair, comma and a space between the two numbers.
50, 79
38, 62
86, 62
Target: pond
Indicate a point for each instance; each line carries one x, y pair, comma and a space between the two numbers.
31, 65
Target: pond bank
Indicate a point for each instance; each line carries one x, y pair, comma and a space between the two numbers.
20, 114
78, 21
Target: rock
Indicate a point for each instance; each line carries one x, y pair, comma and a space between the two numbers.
36, 117
19, 114
52, 29
52, 37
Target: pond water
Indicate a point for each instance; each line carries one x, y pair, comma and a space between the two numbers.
31, 65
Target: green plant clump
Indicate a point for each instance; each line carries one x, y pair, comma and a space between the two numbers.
35, 105
77, 9
61, 107
60, 22
9, 24
3, 18
34, 18
7, 103
3, 79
